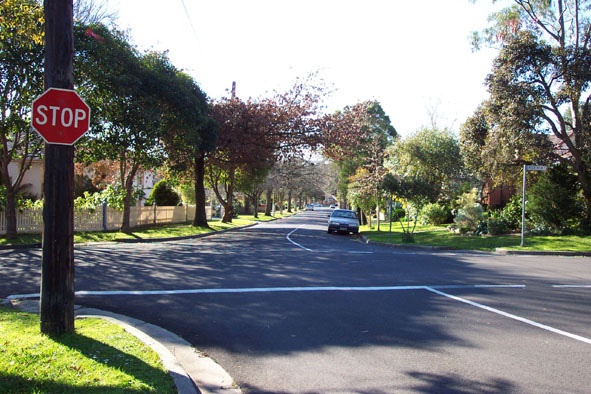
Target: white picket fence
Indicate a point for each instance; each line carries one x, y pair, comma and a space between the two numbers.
106, 219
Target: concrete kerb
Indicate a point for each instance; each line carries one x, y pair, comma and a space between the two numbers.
191, 371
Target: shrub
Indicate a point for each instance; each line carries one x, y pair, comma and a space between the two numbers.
470, 214
434, 213
162, 194
497, 226
507, 219
112, 196
554, 201
469, 217
397, 214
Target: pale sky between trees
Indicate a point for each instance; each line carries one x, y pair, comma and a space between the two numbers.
414, 57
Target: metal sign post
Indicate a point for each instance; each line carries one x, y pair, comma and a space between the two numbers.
525, 169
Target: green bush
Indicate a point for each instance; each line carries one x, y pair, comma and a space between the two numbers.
496, 226
511, 213
554, 201
469, 217
163, 195
112, 196
434, 213
397, 214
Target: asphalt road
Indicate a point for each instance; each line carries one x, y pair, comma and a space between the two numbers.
286, 308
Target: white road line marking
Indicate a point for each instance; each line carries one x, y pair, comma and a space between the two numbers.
295, 243
511, 316
321, 251
433, 289
572, 286
268, 290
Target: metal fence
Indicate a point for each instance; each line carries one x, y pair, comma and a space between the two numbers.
105, 218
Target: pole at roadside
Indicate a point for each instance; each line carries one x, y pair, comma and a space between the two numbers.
57, 269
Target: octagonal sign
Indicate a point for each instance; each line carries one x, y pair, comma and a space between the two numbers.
60, 116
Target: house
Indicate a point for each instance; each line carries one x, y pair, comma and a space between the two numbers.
32, 183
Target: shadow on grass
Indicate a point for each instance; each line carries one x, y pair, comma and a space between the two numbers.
148, 378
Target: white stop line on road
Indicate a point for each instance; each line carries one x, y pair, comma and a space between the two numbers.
432, 289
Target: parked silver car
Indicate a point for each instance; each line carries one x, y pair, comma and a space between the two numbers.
343, 221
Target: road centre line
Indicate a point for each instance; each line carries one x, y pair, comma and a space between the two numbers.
511, 316
320, 251
295, 243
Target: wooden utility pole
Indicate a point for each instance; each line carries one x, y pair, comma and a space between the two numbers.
57, 271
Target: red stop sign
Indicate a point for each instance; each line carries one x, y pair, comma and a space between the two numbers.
60, 116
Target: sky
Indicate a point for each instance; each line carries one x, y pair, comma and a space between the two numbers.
413, 56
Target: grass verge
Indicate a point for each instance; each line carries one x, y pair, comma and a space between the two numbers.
168, 231
439, 236
100, 357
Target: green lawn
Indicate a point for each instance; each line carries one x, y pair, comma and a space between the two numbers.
100, 357
424, 236
440, 236
175, 230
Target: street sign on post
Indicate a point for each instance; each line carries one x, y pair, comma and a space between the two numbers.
535, 168
60, 116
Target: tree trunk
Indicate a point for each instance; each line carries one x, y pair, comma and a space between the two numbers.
200, 219
289, 201
125, 225
378, 208
255, 204
228, 211
269, 198
11, 230
247, 201
229, 203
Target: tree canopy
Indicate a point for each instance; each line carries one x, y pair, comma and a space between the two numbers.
540, 106
21, 80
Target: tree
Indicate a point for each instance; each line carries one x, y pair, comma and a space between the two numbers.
242, 145
432, 155
473, 139
21, 80
357, 137
257, 133
540, 82
417, 192
295, 131
252, 183
126, 89
554, 200
189, 133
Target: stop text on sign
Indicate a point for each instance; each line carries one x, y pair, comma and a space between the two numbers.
66, 117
